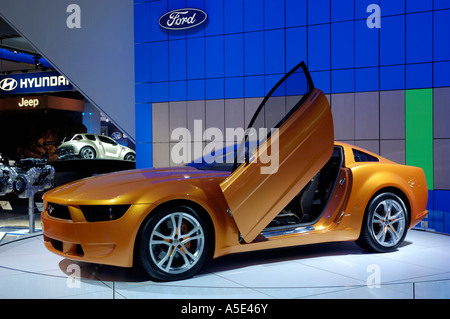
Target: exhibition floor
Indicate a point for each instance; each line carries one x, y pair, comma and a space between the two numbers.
419, 269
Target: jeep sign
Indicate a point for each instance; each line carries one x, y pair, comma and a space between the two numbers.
181, 19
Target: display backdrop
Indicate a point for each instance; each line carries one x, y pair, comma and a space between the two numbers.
387, 78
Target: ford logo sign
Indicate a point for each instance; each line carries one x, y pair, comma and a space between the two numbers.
181, 19
116, 135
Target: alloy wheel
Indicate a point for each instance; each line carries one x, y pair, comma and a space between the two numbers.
388, 222
88, 153
177, 243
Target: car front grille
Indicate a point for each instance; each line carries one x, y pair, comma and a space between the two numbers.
59, 211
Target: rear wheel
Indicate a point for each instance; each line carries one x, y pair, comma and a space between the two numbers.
175, 243
129, 157
385, 223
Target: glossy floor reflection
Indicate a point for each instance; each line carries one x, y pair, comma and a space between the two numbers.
419, 269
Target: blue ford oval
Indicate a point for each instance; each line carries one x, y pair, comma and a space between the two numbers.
181, 19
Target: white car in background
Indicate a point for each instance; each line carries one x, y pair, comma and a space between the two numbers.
90, 146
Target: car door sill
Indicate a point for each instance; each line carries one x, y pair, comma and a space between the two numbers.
286, 231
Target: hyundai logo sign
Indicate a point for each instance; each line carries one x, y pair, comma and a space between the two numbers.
8, 84
181, 19
40, 82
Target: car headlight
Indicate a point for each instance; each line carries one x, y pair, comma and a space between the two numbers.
101, 213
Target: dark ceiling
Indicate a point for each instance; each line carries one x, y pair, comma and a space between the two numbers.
16, 54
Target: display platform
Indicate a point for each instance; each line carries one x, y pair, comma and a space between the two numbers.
419, 269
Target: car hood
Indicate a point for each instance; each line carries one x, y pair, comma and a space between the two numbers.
140, 186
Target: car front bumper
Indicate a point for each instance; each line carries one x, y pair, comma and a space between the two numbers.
106, 242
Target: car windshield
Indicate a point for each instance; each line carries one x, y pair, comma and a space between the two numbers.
221, 160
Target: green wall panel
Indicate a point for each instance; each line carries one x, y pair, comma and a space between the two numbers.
419, 131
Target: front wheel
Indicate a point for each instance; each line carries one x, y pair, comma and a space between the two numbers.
175, 243
87, 153
385, 223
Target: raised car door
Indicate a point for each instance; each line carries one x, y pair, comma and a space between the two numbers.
289, 139
110, 147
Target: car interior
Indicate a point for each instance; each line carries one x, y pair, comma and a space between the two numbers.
309, 204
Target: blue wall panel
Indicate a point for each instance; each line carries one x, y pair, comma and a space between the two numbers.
196, 90
342, 10
366, 45
177, 60
322, 80
214, 56
234, 55
319, 47
159, 61
145, 157
367, 79
160, 92
254, 53
274, 17
253, 15
318, 11
215, 89
342, 81
143, 92
441, 43
157, 9
392, 77
441, 74
142, 29
361, 8
274, 55
195, 56
296, 13
390, 7
254, 86
418, 5
234, 87
143, 54
419, 35
419, 76
343, 45
296, 50
143, 118
177, 91
215, 11
392, 40
233, 16
441, 4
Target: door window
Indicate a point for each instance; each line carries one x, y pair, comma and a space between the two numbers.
283, 100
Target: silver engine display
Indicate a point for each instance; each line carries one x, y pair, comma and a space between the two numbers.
26, 177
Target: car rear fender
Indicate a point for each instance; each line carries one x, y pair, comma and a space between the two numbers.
372, 179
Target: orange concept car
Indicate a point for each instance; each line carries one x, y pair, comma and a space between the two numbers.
288, 185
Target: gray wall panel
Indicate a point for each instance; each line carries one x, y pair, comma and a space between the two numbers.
442, 164
393, 150
392, 114
343, 109
367, 115
441, 112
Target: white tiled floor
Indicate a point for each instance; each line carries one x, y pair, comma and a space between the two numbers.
419, 269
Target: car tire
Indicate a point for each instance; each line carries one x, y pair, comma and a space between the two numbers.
88, 153
129, 157
385, 223
175, 243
